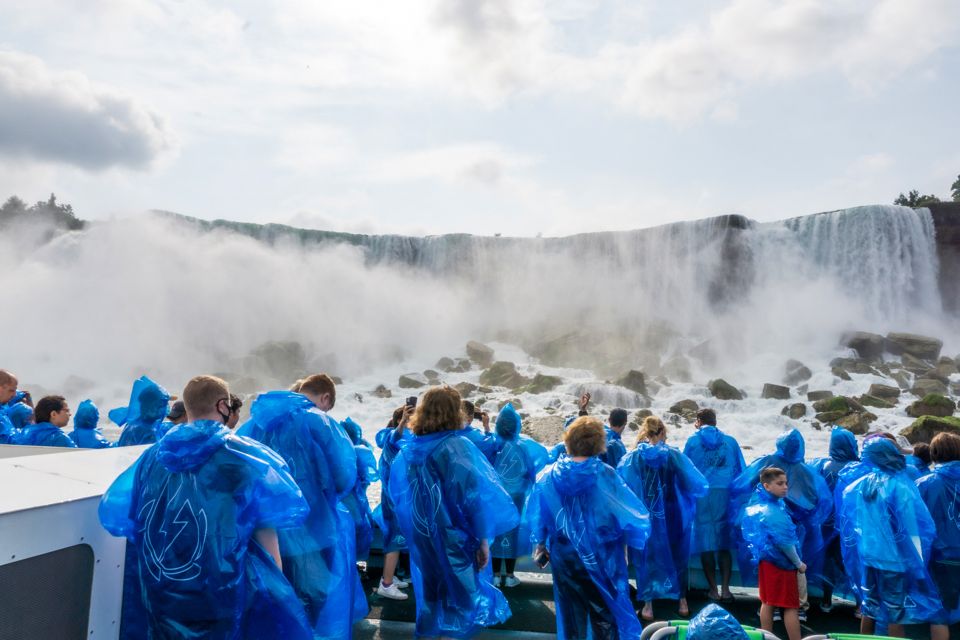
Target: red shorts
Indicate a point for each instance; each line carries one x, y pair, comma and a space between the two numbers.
778, 587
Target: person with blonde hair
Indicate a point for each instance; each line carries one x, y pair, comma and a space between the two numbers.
450, 505
668, 484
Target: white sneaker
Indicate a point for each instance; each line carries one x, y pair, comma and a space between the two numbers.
511, 581
392, 592
401, 584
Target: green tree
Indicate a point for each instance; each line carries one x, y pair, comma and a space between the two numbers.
914, 199
955, 189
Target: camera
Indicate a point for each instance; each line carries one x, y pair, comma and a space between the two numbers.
478, 415
412, 401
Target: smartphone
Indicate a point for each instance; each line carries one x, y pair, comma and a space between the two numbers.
412, 401
542, 559
478, 415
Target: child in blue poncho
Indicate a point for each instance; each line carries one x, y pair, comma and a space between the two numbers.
52, 414
940, 491
390, 439
319, 557
887, 532
771, 537
450, 506
200, 512
582, 517
518, 459
142, 418
483, 440
668, 484
86, 434
718, 457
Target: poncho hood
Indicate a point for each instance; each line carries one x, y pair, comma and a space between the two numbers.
21, 415
843, 446
791, 447
714, 623
269, 409
148, 402
573, 478
187, 446
884, 455
508, 423
711, 437
87, 416
950, 470
654, 455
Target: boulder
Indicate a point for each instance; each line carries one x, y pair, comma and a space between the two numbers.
445, 364
840, 373
923, 429
858, 422
503, 374
547, 430
867, 345
516, 402
932, 405
813, 396
723, 390
775, 391
830, 417
465, 389
934, 374
915, 365
853, 365
902, 379
542, 383
836, 403
925, 386
461, 365
923, 347
381, 392
412, 381
794, 411
432, 376
638, 417
796, 372
868, 400
480, 353
686, 409
884, 391
633, 380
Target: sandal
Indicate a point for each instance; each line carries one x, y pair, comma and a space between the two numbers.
647, 616
684, 611
728, 599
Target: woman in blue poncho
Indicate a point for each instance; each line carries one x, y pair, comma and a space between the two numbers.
85, 432
52, 414
668, 484
390, 439
450, 505
582, 517
940, 491
718, 457
843, 452
142, 418
887, 532
518, 460
319, 557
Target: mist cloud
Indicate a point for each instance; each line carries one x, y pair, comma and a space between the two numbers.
62, 117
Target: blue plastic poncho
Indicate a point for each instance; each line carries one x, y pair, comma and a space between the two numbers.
809, 500
385, 515
21, 415
355, 432
715, 623
615, 448
448, 499
887, 532
768, 530
319, 557
517, 461
141, 418
189, 508
585, 515
43, 434
85, 432
485, 442
357, 503
843, 452
718, 457
940, 491
668, 484
6, 427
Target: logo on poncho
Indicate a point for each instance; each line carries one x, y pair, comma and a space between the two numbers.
172, 547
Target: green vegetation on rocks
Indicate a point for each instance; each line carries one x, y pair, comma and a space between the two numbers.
932, 404
924, 428
503, 374
542, 383
873, 401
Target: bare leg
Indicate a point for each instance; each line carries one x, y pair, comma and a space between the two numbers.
791, 621
939, 632
766, 617
726, 565
708, 562
390, 561
896, 631
867, 626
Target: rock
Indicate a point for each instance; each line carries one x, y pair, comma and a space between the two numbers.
432, 376
547, 430
516, 402
412, 381
884, 391
461, 365
336, 380
480, 353
867, 345
830, 417
794, 411
638, 417
381, 392
902, 378
503, 374
922, 347
868, 400
932, 405
947, 360
465, 389
836, 403
796, 372
687, 409
445, 364
542, 383
678, 368
802, 389
775, 391
633, 380
923, 429
853, 365
813, 396
723, 390
840, 373
858, 422
934, 374
612, 395
915, 365
925, 386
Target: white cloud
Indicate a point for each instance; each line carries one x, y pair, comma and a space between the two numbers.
483, 163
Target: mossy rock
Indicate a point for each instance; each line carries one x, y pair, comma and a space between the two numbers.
723, 390
868, 400
830, 417
542, 383
932, 404
503, 374
884, 391
924, 428
836, 403
840, 373
794, 411
858, 422
813, 396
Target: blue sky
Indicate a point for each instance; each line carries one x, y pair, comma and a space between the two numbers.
482, 116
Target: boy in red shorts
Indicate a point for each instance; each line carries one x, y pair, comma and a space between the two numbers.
772, 538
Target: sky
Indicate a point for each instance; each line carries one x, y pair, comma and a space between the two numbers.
517, 117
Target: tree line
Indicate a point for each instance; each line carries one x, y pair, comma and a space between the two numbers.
914, 199
61, 215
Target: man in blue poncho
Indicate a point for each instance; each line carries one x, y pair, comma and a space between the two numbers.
450, 505
843, 452
582, 517
391, 439
21, 415
86, 434
8, 392
616, 423
52, 414
887, 532
715, 623
200, 511
518, 460
718, 457
319, 557
940, 491
668, 484
483, 440
142, 418
808, 501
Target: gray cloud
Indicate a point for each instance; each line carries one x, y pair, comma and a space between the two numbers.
62, 117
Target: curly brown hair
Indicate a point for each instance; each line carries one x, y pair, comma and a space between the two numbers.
945, 447
585, 437
438, 410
